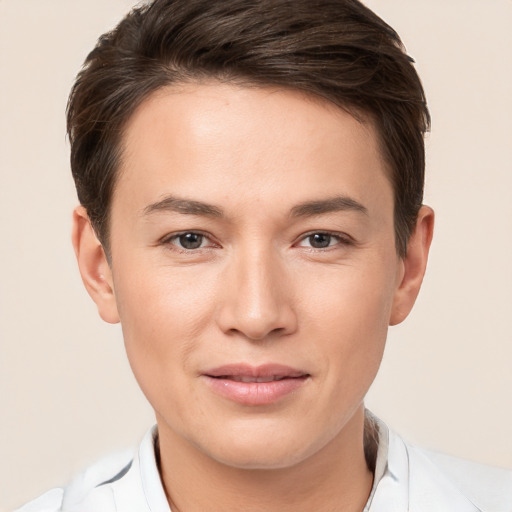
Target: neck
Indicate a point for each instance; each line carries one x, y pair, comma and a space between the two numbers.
335, 478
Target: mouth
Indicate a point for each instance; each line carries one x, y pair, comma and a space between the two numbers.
244, 378
255, 385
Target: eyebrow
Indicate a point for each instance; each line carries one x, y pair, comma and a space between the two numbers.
184, 206
333, 204
306, 209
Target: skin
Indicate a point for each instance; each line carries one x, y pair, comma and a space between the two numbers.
257, 290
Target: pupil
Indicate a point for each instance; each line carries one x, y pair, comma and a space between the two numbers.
191, 240
320, 240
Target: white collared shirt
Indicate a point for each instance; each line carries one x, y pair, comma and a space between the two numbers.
407, 479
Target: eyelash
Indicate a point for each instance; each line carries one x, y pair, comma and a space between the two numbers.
342, 240
168, 241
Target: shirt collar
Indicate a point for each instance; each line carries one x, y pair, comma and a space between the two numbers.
150, 475
407, 480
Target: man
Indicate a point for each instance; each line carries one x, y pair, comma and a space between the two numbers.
250, 176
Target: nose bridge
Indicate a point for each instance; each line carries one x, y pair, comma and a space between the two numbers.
257, 302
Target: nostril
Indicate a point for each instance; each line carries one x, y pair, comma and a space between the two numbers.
259, 335
255, 309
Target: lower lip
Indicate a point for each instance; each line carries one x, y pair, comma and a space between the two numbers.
255, 393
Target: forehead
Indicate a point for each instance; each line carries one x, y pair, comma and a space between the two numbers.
210, 139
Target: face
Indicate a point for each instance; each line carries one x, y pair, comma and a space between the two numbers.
254, 268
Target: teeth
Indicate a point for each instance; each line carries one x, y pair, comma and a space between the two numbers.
240, 378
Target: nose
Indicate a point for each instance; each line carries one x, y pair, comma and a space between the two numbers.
257, 302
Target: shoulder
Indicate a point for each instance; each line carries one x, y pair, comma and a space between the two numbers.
50, 501
102, 472
128, 481
488, 488
419, 480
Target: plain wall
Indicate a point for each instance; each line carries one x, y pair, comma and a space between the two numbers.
67, 395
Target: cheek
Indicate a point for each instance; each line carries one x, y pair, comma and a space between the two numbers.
353, 299
163, 312
151, 296
351, 321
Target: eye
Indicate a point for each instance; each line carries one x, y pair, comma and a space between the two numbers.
323, 240
188, 241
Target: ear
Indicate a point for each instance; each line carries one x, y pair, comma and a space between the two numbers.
94, 266
414, 264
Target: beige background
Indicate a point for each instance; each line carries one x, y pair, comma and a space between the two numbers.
66, 393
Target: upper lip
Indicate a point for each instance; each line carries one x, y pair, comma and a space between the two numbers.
261, 371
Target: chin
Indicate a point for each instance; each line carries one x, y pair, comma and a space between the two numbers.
260, 459
263, 449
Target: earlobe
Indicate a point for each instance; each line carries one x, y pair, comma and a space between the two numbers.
414, 265
94, 266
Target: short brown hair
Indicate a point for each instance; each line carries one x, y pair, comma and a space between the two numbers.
338, 50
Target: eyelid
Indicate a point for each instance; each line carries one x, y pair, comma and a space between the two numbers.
170, 237
344, 238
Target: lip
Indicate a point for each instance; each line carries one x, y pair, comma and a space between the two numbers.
255, 385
